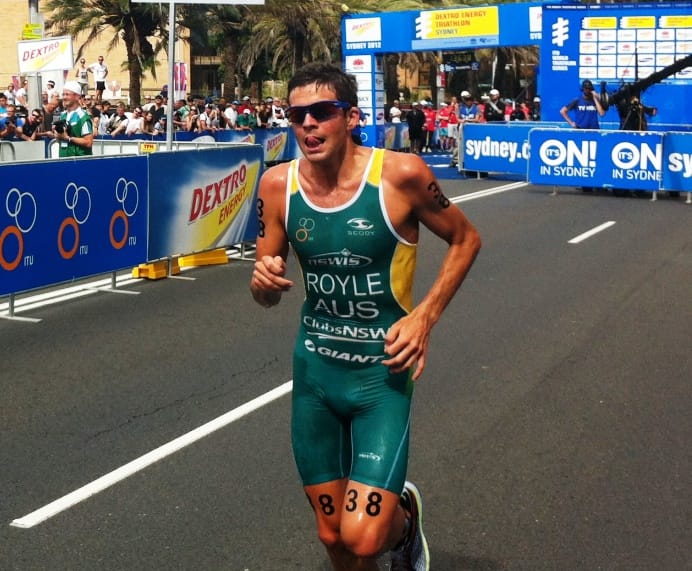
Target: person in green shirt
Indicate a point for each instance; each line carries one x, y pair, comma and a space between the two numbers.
246, 121
75, 132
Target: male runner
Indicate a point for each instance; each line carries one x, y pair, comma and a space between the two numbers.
352, 215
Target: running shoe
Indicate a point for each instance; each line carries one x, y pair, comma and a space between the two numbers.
412, 554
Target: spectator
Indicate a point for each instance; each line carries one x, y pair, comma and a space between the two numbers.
100, 71
118, 122
82, 75
204, 121
51, 111
160, 126
10, 124
468, 111
148, 123
231, 114
453, 127
395, 112
430, 124
106, 109
135, 123
245, 104
264, 115
51, 92
535, 110
3, 105
246, 120
158, 108
9, 94
585, 109
32, 129
192, 120
416, 121
95, 114
494, 108
147, 104
443, 126
20, 96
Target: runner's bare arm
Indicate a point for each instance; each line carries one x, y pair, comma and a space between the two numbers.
268, 281
416, 187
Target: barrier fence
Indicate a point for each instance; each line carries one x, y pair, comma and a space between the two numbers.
547, 154
67, 219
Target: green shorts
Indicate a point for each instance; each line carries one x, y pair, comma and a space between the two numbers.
350, 422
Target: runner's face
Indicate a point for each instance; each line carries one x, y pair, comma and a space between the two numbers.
318, 139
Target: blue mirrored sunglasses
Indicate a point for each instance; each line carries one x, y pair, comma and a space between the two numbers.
319, 111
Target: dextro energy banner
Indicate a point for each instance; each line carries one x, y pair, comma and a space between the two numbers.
53, 54
450, 28
65, 220
202, 200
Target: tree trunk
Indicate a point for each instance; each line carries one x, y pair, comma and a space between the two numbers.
230, 81
391, 77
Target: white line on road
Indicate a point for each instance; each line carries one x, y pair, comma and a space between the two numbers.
489, 192
100, 484
591, 232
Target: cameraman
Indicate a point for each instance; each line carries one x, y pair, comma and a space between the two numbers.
10, 124
74, 130
633, 113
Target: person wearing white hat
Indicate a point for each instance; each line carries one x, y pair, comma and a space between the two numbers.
74, 130
535, 110
494, 108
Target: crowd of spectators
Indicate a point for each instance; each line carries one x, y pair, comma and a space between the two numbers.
438, 128
429, 127
194, 114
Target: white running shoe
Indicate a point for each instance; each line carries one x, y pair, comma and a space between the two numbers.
412, 554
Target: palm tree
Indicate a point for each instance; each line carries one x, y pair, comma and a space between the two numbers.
220, 29
133, 23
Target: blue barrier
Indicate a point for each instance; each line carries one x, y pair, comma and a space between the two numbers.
552, 154
649, 161
69, 219
64, 220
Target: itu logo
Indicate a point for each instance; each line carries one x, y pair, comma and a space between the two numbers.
560, 32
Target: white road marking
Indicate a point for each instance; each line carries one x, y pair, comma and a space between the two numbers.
591, 232
489, 192
107, 480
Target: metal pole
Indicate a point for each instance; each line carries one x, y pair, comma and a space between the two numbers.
171, 69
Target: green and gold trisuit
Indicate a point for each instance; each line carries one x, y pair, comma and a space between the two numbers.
350, 414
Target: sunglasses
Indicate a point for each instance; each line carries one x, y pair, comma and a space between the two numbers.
319, 111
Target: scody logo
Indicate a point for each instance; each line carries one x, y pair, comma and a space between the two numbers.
360, 227
343, 259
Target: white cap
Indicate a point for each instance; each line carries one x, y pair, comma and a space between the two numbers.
423, 102
246, 98
72, 86
494, 92
465, 94
443, 104
536, 99
416, 103
247, 111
